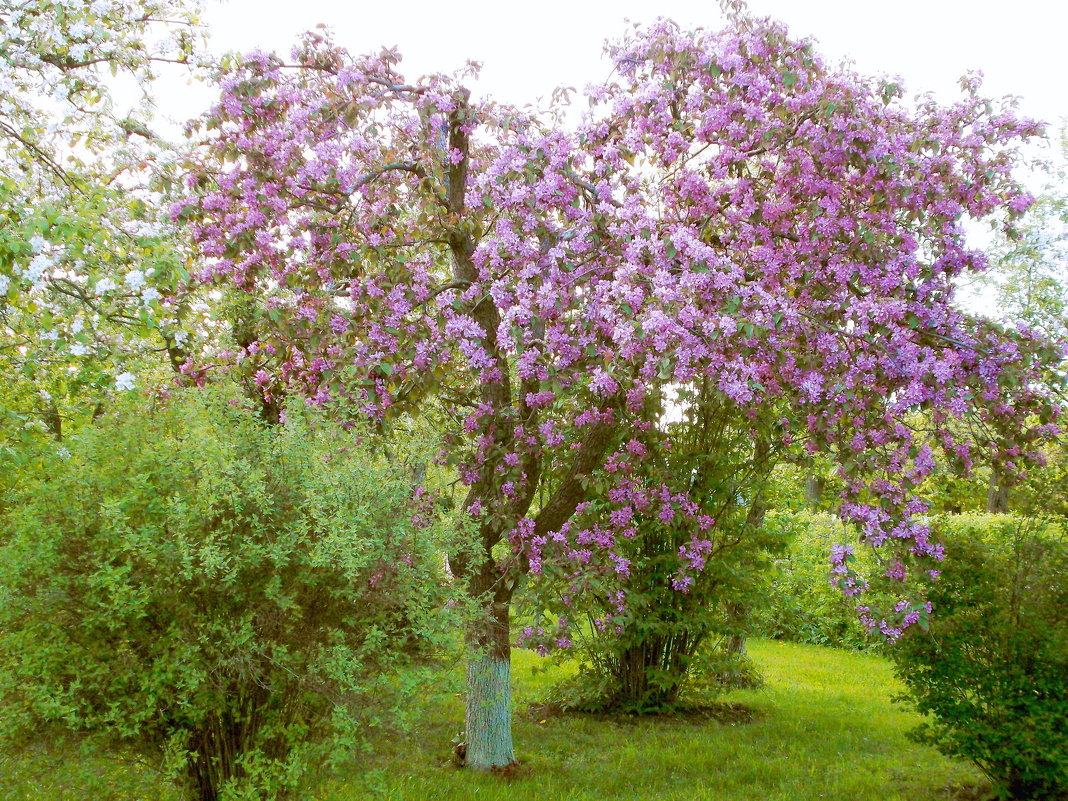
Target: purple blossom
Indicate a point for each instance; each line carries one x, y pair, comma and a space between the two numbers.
580, 276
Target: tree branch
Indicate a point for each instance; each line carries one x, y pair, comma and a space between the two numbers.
570, 492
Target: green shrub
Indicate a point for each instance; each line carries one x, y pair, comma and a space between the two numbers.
992, 672
802, 604
227, 600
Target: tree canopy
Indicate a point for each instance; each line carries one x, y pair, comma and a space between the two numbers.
730, 208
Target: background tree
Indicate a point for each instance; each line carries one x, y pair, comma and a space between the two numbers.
1031, 265
1031, 282
85, 254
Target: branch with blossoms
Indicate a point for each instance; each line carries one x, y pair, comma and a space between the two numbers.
542, 283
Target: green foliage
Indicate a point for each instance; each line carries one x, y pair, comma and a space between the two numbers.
809, 484
226, 600
991, 673
1044, 490
948, 492
803, 606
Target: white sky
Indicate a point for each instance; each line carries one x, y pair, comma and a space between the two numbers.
529, 48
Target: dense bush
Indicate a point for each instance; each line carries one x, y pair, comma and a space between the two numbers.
992, 672
666, 644
228, 600
689, 563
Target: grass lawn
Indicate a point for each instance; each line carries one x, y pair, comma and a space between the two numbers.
824, 728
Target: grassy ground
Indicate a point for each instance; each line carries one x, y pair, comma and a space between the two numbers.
823, 728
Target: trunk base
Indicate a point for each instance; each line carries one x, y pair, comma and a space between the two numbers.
489, 713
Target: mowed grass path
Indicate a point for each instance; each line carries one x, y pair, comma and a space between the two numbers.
824, 729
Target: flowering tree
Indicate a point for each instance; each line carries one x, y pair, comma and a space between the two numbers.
731, 209
84, 252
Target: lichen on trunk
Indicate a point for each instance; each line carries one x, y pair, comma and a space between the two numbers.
489, 694
489, 712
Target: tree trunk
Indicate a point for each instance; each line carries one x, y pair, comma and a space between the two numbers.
740, 612
489, 694
814, 491
738, 615
997, 494
54, 420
